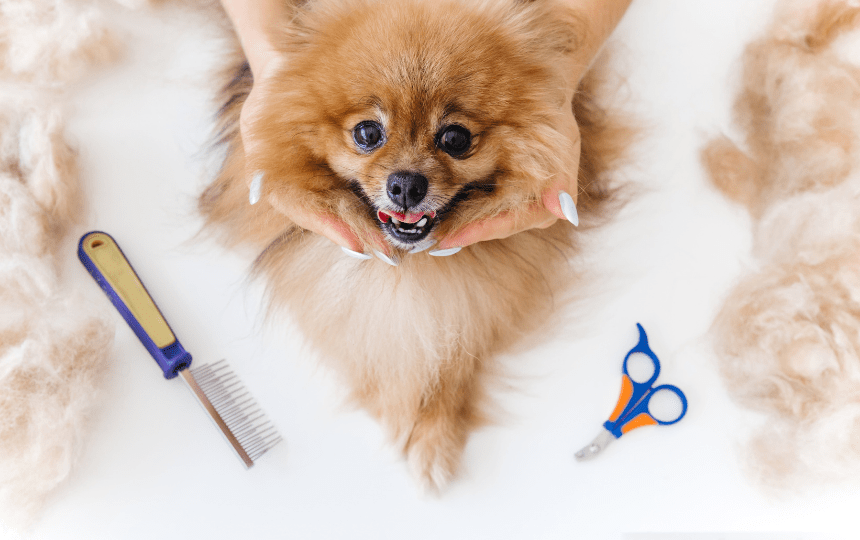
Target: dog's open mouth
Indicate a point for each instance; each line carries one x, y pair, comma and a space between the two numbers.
408, 228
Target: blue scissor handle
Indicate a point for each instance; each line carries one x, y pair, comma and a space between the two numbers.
632, 392
632, 410
640, 415
671, 388
644, 348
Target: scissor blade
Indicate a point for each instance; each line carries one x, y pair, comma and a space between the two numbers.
597, 445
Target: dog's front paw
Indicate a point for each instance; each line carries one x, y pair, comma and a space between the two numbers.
433, 452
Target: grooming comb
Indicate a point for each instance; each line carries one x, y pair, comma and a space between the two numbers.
217, 389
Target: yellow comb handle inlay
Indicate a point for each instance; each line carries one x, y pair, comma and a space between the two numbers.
110, 261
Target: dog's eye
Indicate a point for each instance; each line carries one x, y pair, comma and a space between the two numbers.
367, 135
454, 140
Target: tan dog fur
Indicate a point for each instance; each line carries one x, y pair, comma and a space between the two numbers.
789, 335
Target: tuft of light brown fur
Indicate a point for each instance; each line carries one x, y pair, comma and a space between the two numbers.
33, 150
52, 42
415, 344
52, 352
788, 336
51, 365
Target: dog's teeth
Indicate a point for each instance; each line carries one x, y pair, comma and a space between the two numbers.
422, 222
395, 222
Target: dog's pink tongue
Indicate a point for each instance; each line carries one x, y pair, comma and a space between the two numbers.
410, 217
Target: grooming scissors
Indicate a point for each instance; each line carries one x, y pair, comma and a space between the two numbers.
637, 390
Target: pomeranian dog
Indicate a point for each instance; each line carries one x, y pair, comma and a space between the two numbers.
416, 118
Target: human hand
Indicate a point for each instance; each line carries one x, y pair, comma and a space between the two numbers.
326, 224
258, 25
558, 201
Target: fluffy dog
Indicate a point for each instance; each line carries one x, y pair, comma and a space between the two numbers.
416, 117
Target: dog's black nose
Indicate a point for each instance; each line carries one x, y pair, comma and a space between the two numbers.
406, 189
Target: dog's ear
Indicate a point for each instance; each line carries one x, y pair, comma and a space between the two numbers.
552, 26
295, 7
300, 27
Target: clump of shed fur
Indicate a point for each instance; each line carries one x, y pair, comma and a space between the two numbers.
789, 335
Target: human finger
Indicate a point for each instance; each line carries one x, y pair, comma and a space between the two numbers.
325, 224
559, 200
501, 226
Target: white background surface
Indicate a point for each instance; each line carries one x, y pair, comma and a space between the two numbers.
155, 467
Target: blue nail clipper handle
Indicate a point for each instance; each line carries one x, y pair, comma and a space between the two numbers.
106, 262
632, 410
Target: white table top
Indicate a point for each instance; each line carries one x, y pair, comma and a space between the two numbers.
155, 468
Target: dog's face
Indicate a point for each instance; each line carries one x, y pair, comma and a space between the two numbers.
418, 116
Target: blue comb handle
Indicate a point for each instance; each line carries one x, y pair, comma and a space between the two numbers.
106, 262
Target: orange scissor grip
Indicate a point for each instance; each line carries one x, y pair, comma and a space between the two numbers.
623, 399
642, 419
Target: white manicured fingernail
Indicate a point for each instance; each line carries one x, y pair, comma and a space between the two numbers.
422, 247
356, 255
385, 258
444, 252
256, 188
568, 207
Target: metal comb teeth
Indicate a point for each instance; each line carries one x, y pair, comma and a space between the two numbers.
233, 410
